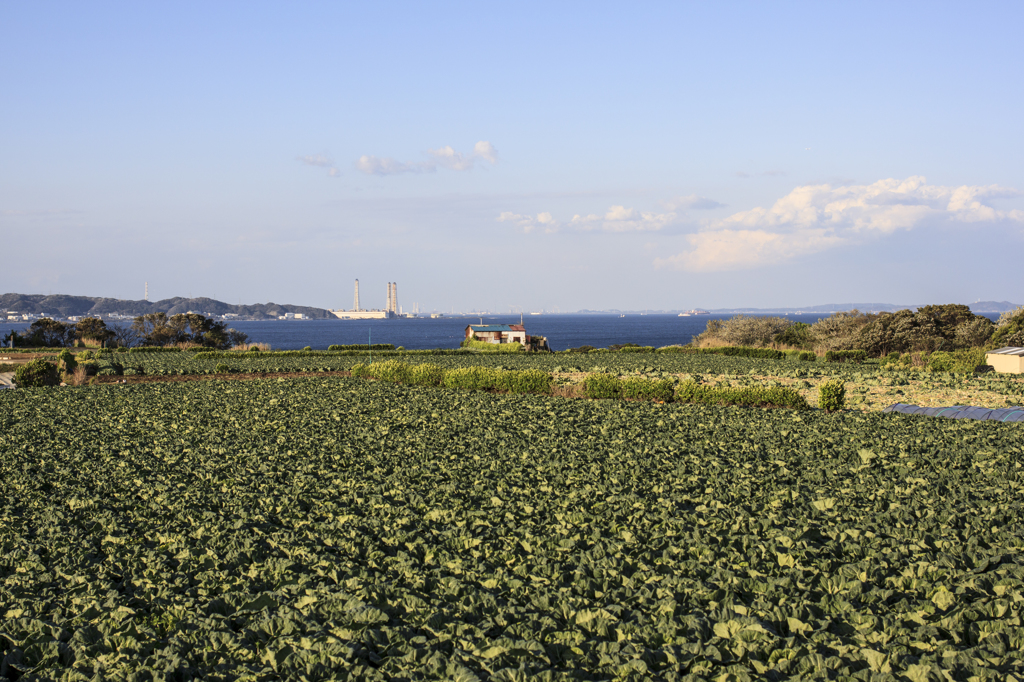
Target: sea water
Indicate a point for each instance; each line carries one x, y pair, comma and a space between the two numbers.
562, 331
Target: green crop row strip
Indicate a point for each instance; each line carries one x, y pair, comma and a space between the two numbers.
337, 528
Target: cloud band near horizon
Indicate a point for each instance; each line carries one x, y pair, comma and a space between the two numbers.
810, 219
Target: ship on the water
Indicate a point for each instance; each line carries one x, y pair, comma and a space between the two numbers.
695, 311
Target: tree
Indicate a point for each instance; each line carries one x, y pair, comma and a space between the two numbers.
123, 336
931, 328
152, 330
840, 330
1009, 329
93, 329
48, 333
156, 329
237, 338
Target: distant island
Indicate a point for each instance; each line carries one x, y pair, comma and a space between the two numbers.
64, 306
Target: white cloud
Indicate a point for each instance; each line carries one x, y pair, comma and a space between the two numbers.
615, 219
485, 150
316, 160
738, 249
529, 223
444, 157
373, 165
320, 161
622, 219
813, 218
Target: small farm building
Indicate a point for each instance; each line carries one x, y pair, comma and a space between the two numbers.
497, 333
1009, 360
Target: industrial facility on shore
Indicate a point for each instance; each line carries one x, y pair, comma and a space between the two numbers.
390, 311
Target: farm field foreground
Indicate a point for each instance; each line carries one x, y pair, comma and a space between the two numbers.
870, 387
337, 528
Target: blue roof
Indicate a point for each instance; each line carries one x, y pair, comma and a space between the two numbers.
490, 327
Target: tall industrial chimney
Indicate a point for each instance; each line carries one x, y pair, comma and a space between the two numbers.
394, 297
356, 304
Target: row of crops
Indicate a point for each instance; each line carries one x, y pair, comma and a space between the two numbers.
656, 365
331, 527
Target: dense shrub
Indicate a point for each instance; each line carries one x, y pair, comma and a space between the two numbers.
36, 373
156, 349
648, 389
632, 348
523, 381
748, 396
1009, 329
601, 386
426, 375
476, 344
473, 378
579, 349
66, 362
856, 356
689, 350
743, 330
391, 370
798, 334
222, 369
959, 361
839, 331
832, 395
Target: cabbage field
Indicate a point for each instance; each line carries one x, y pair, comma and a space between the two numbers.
870, 386
335, 528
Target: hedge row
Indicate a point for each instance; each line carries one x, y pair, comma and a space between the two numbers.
609, 386
604, 386
219, 354
857, 356
361, 346
474, 378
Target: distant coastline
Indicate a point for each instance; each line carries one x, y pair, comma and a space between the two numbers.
17, 307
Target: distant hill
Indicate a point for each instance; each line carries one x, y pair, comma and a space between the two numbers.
61, 305
979, 307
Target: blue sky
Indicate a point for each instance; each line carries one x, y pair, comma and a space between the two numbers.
540, 155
